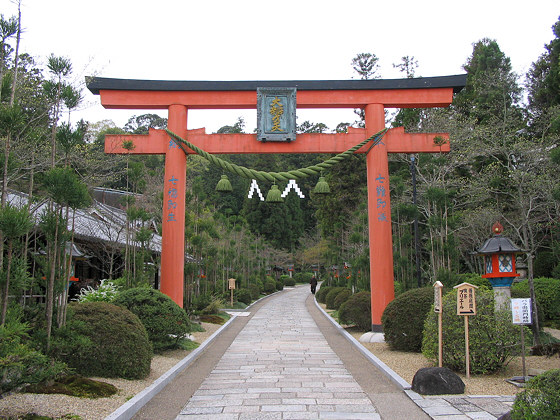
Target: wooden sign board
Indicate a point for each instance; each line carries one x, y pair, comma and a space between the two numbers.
466, 299
231, 283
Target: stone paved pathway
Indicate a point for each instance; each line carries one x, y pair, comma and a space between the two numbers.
280, 367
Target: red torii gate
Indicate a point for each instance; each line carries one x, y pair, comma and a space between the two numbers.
371, 95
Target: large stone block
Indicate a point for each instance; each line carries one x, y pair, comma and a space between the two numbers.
437, 381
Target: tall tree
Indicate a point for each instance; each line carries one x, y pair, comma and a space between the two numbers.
14, 223
60, 68
8, 28
492, 89
543, 85
366, 65
142, 123
65, 189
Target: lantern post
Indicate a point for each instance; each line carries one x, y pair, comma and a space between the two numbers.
499, 254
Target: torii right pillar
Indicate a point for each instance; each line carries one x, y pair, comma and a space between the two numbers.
379, 216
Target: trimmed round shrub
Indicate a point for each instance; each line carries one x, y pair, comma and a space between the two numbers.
244, 295
540, 399
403, 319
321, 294
331, 296
166, 322
357, 311
269, 286
279, 285
493, 338
119, 345
547, 294
303, 277
289, 281
341, 298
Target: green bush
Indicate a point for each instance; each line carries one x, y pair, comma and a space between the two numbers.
200, 302
331, 296
341, 298
255, 291
547, 294
475, 280
303, 277
69, 340
269, 286
357, 310
244, 295
398, 288
540, 399
449, 279
290, 282
19, 363
214, 307
166, 322
119, 345
279, 285
492, 336
403, 319
544, 264
321, 294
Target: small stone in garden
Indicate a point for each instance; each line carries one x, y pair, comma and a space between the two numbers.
437, 381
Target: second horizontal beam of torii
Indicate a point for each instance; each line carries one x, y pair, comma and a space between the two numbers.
396, 140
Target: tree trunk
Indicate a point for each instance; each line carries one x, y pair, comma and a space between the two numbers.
50, 286
16, 57
7, 289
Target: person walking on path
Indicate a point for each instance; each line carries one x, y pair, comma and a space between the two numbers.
313, 284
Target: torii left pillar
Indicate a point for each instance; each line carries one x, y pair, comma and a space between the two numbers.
379, 217
173, 220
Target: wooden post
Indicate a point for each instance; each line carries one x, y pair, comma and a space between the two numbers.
438, 308
521, 312
466, 306
467, 355
523, 353
440, 340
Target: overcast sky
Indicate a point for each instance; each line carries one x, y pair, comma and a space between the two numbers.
272, 40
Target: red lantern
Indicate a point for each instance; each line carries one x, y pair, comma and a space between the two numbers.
499, 258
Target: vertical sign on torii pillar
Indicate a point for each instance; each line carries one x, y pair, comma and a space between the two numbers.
374, 96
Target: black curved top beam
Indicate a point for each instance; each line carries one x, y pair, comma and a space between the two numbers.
96, 84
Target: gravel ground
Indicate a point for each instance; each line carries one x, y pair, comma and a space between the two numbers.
57, 405
407, 364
